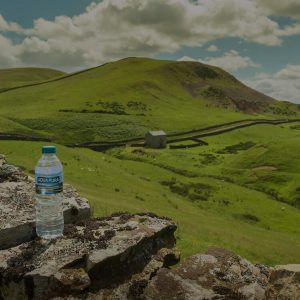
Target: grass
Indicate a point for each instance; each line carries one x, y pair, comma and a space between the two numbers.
216, 199
21, 76
261, 158
241, 191
125, 99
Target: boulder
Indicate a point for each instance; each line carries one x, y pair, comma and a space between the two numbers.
17, 206
215, 274
284, 283
93, 257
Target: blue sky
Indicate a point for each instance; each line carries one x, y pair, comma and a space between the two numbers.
256, 40
25, 11
271, 59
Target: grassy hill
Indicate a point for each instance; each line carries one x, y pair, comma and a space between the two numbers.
241, 191
220, 195
10, 78
124, 99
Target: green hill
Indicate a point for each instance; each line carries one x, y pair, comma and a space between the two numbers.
126, 98
241, 191
218, 198
10, 78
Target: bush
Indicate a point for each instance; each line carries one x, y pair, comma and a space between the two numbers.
208, 158
238, 147
137, 105
193, 191
248, 218
113, 107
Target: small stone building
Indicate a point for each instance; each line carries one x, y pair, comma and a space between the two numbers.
156, 139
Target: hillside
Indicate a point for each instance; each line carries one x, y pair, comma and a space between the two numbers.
10, 78
126, 98
133, 255
238, 190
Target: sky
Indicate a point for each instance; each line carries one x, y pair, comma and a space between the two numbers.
258, 41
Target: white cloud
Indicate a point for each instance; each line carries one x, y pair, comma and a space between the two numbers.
283, 85
8, 53
212, 48
187, 58
113, 29
9, 26
230, 61
288, 8
290, 30
291, 72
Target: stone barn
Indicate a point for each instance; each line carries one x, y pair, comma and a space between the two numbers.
156, 139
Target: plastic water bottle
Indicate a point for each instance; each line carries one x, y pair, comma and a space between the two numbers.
49, 196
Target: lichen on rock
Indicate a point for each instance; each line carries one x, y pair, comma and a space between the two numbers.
93, 255
17, 206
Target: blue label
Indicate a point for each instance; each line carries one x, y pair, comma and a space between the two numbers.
49, 184
48, 180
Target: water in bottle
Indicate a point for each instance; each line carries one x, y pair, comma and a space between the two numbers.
49, 196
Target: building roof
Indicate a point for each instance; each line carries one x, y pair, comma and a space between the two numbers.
157, 133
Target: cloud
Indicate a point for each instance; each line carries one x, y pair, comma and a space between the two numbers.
230, 61
8, 53
187, 58
291, 72
10, 26
113, 29
288, 8
212, 48
290, 30
283, 85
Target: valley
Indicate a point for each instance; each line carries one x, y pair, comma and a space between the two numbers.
240, 190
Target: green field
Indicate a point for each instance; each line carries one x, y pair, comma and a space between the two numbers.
241, 192
126, 98
10, 78
217, 199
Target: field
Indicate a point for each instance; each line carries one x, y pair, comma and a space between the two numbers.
10, 78
239, 192
127, 98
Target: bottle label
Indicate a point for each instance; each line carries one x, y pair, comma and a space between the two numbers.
49, 184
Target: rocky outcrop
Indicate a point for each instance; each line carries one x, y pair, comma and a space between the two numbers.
215, 274
94, 256
124, 256
17, 206
284, 283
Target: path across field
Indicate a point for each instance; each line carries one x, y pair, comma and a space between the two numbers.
21, 137
192, 135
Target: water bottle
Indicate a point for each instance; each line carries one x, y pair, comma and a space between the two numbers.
49, 196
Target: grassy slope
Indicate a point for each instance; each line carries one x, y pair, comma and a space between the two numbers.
10, 78
21, 76
217, 198
271, 165
170, 94
231, 213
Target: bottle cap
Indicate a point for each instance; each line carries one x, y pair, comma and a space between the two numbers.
48, 149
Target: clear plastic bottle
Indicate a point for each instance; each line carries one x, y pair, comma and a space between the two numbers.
49, 196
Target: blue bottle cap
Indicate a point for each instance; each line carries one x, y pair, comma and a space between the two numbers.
48, 149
